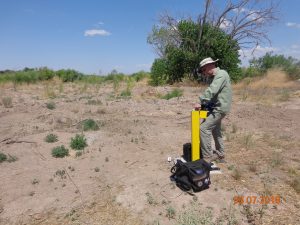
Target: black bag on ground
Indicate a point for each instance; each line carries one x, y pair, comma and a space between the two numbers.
192, 175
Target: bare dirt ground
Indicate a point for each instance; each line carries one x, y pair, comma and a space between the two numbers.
123, 175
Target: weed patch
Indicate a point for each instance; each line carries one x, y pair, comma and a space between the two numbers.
3, 157
252, 167
78, 142
248, 141
277, 160
170, 212
296, 184
50, 105
173, 94
89, 124
150, 199
237, 174
60, 152
78, 153
50, 138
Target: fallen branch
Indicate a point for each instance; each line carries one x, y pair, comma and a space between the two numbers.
16, 141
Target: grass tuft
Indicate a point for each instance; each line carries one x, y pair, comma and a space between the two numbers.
60, 152
50, 138
89, 124
3, 157
50, 105
170, 212
277, 160
173, 94
237, 174
296, 184
78, 142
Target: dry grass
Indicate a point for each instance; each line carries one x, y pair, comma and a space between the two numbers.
275, 86
101, 211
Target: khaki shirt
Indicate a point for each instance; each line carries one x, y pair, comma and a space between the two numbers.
219, 91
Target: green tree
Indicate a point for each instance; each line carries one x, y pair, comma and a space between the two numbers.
182, 43
183, 60
158, 72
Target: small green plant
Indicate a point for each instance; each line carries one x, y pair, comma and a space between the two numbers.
97, 169
50, 138
233, 128
89, 124
248, 141
170, 212
71, 168
78, 142
277, 160
50, 105
60, 152
61, 174
231, 167
237, 174
292, 171
125, 93
116, 84
35, 181
193, 216
252, 167
7, 102
296, 184
245, 95
78, 153
150, 199
173, 94
3, 157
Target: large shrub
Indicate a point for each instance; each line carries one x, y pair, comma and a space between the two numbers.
69, 75
182, 59
158, 72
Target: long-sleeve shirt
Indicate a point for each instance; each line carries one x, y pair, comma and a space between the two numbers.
219, 91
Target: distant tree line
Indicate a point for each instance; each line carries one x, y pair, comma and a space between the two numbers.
33, 75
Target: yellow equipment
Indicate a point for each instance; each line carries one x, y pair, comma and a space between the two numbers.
195, 142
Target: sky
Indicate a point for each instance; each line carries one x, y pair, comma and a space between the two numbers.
98, 36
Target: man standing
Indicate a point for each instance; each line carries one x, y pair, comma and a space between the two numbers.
220, 94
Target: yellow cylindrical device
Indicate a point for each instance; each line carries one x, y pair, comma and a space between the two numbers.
195, 154
196, 116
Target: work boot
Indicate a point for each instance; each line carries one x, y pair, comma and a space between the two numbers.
211, 158
221, 158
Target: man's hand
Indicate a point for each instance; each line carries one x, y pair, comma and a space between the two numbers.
197, 106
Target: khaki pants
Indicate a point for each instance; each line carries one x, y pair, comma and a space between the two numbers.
211, 126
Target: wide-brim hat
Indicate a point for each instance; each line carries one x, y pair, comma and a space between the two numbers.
208, 60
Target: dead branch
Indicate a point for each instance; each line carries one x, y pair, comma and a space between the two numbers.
10, 141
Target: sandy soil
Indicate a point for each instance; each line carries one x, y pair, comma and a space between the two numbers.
123, 175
